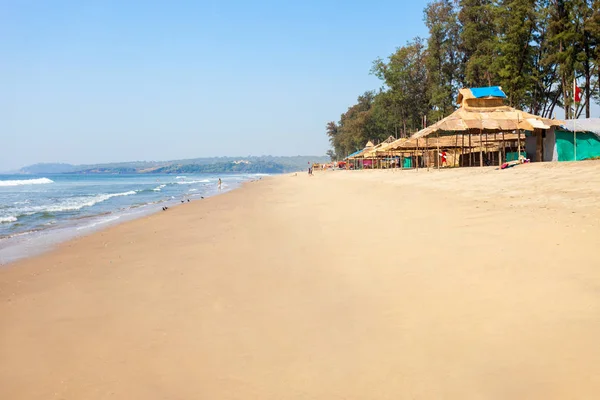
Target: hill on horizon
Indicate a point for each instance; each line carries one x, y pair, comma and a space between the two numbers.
251, 164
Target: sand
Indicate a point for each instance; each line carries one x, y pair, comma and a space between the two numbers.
454, 284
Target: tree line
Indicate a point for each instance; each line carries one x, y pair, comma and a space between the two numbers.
534, 49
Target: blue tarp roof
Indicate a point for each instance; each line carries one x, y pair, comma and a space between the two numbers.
355, 153
492, 91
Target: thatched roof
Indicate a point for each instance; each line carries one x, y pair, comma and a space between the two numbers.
370, 149
372, 152
486, 114
446, 141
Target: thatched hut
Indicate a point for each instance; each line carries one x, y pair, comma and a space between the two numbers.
483, 118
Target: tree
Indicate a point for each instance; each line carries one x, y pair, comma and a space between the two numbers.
593, 27
545, 92
443, 57
354, 128
405, 76
478, 41
588, 58
517, 24
565, 36
332, 131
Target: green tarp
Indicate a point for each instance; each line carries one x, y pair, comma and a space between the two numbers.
588, 145
408, 162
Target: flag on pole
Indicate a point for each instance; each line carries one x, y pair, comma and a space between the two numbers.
576, 92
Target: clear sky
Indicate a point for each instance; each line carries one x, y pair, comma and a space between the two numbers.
102, 81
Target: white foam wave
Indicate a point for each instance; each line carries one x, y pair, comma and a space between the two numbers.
158, 188
8, 219
192, 182
72, 204
180, 177
21, 182
193, 190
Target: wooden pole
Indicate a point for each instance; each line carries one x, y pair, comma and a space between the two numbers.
416, 156
486, 145
461, 160
503, 155
574, 141
455, 150
426, 158
480, 149
438, 150
470, 151
519, 140
498, 146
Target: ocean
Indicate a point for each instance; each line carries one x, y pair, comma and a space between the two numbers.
38, 211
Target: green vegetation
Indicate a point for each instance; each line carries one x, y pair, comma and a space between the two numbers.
256, 167
533, 49
263, 164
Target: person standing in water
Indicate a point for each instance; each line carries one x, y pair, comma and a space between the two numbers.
219, 183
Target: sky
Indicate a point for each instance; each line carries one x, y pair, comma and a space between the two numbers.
105, 81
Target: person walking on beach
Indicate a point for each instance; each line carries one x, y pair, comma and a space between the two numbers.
444, 158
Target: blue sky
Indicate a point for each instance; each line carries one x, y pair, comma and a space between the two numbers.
86, 82
102, 81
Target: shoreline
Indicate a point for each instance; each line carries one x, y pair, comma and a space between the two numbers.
24, 245
342, 285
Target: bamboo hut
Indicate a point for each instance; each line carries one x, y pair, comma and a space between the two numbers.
485, 122
369, 157
375, 155
456, 146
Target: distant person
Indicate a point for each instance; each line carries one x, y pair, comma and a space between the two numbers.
220, 183
444, 158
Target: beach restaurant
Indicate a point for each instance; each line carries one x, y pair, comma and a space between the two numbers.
484, 119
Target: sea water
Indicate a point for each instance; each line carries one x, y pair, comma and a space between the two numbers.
37, 211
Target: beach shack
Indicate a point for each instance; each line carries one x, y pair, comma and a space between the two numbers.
485, 131
575, 140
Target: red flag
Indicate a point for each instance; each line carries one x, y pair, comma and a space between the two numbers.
577, 95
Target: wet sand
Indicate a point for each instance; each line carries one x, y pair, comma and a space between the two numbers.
455, 284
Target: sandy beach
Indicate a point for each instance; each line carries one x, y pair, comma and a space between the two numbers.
455, 284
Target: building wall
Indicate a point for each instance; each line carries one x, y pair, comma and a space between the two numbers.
550, 152
530, 147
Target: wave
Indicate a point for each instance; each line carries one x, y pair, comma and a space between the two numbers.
180, 177
71, 204
158, 188
192, 182
8, 219
21, 182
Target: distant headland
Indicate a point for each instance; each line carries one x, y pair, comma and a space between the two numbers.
253, 164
